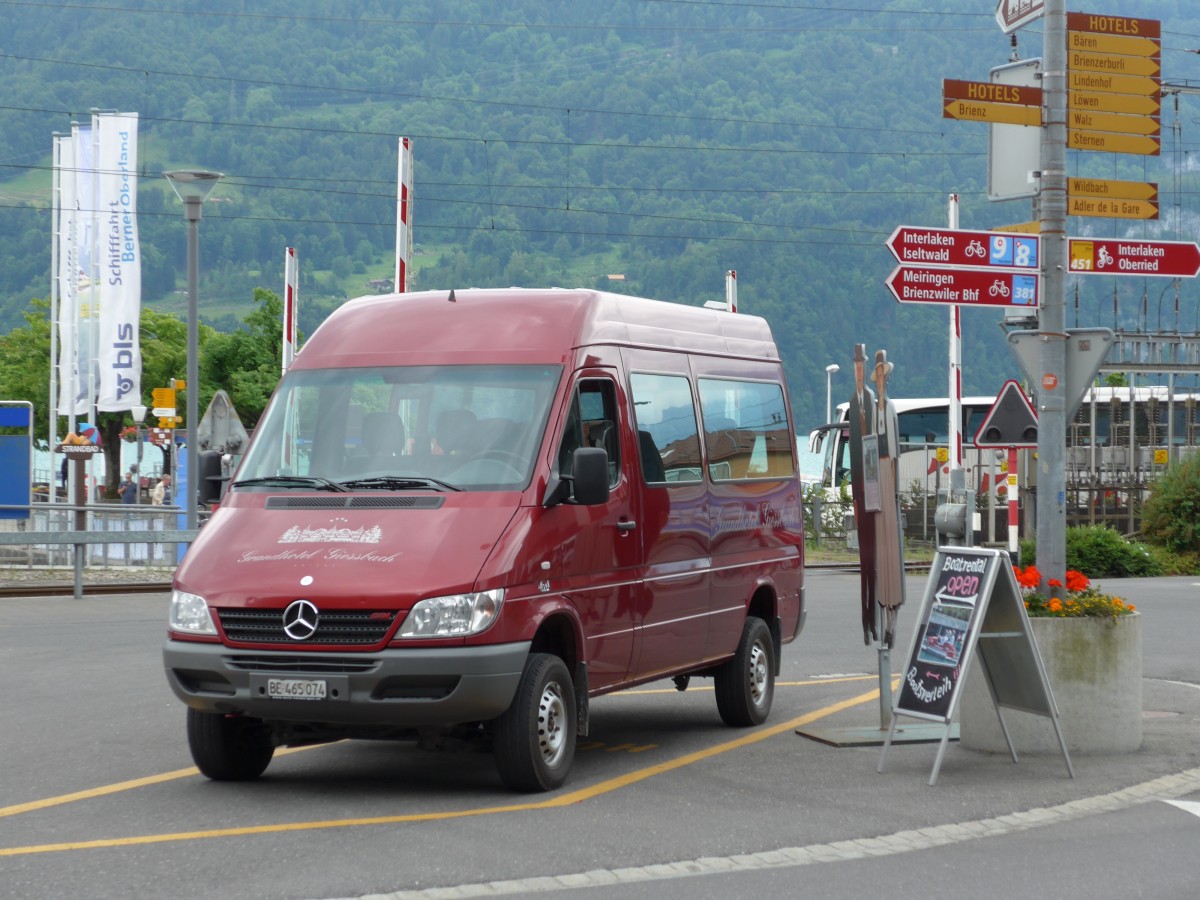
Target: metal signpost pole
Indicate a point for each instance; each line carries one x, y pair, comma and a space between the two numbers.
1052, 210
193, 188
192, 211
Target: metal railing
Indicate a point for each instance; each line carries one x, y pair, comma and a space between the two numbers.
61, 535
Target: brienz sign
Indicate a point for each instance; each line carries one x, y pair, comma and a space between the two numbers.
968, 287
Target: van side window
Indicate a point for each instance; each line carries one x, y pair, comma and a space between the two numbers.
592, 422
745, 430
668, 439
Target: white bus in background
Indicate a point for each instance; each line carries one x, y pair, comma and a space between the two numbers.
1107, 460
924, 425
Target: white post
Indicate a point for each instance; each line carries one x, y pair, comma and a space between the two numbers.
1013, 520
291, 297
954, 431
731, 290
55, 231
404, 181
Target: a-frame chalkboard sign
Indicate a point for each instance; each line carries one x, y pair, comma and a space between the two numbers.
972, 604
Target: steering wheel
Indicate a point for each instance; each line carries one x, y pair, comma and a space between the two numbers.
513, 462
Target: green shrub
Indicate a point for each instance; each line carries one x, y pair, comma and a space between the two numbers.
1100, 552
1171, 514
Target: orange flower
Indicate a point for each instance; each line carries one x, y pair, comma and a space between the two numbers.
1077, 581
1030, 578
1054, 583
1055, 605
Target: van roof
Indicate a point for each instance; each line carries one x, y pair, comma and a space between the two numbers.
521, 325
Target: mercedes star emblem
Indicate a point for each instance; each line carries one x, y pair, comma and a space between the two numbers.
300, 620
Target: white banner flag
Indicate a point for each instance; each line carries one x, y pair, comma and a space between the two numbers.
120, 277
67, 274
85, 250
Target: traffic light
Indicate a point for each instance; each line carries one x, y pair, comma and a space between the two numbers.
1011, 422
211, 481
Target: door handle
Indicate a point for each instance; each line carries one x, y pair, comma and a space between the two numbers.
625, 526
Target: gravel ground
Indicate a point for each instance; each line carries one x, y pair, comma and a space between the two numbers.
11, 576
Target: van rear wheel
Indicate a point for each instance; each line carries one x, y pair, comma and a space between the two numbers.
745, 686
228, 748
534, 740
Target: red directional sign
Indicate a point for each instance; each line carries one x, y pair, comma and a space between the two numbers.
968, 287
1012, 14
1112, 256
955, 247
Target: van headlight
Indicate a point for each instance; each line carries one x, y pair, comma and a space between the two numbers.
455, 615
189, 614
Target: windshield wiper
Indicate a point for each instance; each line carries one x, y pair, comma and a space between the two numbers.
300, 481
397, 482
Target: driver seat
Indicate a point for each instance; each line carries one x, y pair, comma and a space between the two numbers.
383, 438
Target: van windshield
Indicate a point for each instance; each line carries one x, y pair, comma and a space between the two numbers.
469, 427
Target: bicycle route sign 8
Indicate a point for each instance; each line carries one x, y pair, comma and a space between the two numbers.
913, 244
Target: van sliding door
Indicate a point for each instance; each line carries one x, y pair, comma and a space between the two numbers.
674, 528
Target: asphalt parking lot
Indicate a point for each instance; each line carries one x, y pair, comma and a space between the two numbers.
99, 798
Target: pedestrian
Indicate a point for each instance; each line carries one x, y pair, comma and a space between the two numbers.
128, 490
161, 495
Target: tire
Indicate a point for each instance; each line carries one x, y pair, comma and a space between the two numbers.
745, 686
228, 748
534, 740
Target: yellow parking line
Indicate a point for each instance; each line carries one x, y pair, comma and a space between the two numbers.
673, 690
118, 787
187, 773
567, 799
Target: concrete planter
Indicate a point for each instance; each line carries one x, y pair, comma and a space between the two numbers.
1094, 666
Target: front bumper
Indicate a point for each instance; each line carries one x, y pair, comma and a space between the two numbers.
402, 688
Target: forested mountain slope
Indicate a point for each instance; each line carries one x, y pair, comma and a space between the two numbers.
559, 143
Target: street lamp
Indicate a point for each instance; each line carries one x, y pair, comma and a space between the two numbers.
139, 416
829, 373
192, 187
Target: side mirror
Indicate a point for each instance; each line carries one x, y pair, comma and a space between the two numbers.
589, 471
588, 480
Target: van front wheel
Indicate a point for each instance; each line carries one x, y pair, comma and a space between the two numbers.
534, 740
745, 685
228, 748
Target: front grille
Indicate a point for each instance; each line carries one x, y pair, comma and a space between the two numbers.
331, 665
265, 626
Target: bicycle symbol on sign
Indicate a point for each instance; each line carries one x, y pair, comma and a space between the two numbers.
1103, 258
976, 248
998, 289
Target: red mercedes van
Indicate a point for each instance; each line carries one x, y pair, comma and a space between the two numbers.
467, 514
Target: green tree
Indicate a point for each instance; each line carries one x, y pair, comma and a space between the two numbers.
25, 375
1171, 514
25, 366
246, 364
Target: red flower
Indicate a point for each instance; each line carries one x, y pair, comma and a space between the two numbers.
1030, 578
1077, 581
